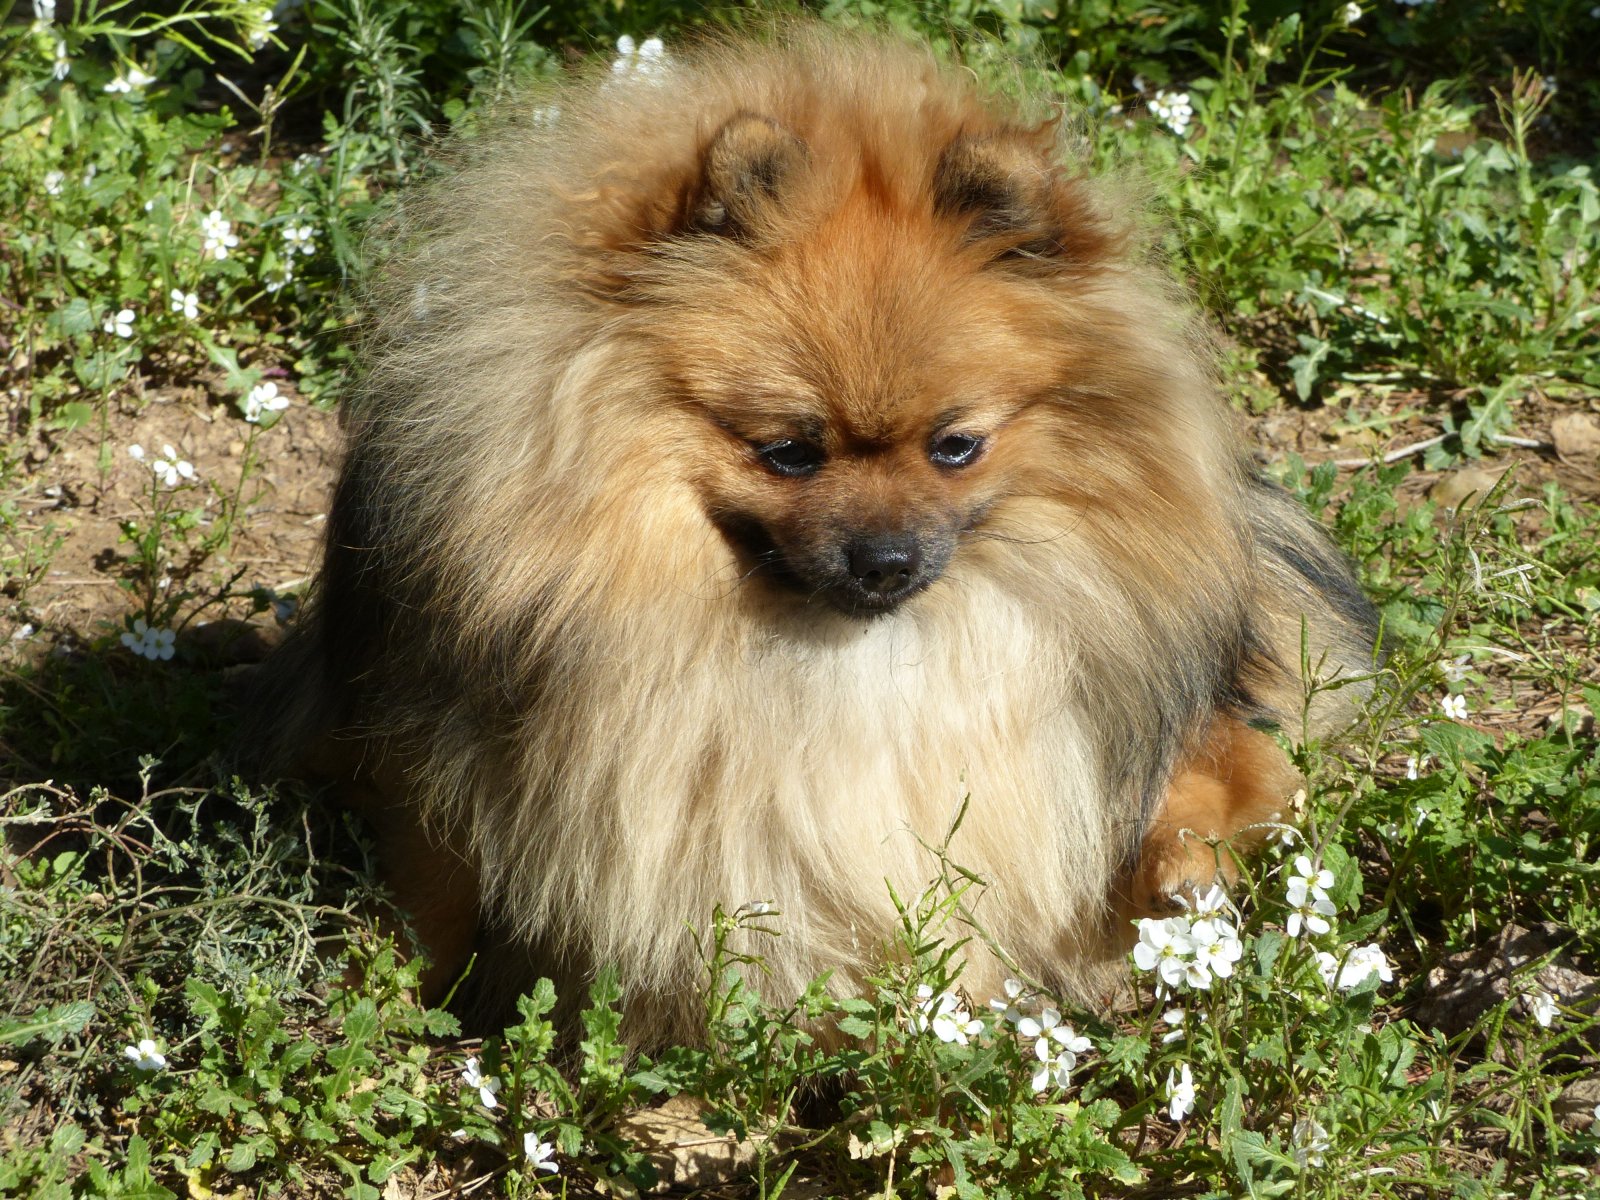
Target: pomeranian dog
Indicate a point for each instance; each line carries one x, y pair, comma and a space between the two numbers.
758, 452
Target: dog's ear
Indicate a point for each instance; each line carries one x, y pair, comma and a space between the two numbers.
745, 168
1008, 196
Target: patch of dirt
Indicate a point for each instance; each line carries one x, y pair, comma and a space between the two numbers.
80, 486
1355, 431
1549, 442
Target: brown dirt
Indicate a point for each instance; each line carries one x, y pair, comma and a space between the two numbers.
65, 494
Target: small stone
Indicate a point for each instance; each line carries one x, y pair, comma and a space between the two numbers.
1576, 437
1468, 484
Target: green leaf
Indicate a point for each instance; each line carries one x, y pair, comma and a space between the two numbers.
241, 1158
361, 1024
1307, 364
136, 1181
51, 1024
855, 1027
653, 1082
1455, 744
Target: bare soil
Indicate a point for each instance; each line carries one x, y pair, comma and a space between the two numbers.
81, 485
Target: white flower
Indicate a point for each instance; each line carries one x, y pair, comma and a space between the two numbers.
1173, 110
144, 1055
1542, 1005
1214, 902
1164, 944
953, 1024
1057, 1048
756, 908
283, 278
1175, 1017
538, 1153
1308, 897
218, 234
63, 64
1054, 1069
170, 468
643, 60
1180, 1094
1455, 707
134, 79
1007, 1007
918, 1018
1216, 946
487, 1085
1351, 14
1311, 914
1051, 1033
153, 643
1414, 765
259, 26
136, 451
187, 303
263, 398
299, 239
53, 181
1359, 963
1310, 1143
121, 324
44, 11
944, 1015
1317, 879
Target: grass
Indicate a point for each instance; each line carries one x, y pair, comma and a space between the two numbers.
1395, 226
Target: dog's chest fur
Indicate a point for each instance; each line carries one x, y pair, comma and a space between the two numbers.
810, 764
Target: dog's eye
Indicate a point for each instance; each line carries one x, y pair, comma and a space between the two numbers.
955, 450
791, 456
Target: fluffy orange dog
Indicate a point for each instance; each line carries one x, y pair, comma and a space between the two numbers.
756, 455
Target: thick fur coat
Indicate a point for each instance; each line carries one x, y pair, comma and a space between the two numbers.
663, 375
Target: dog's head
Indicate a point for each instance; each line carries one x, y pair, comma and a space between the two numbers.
865, 333
888, 315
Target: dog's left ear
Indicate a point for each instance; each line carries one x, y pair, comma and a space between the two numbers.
745, 169
1013, 200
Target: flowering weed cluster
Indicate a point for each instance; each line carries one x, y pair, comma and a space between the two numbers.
1190, 951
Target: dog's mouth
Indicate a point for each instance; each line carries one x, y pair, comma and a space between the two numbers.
867, 576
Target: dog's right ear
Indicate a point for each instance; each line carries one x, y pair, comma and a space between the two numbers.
744, 170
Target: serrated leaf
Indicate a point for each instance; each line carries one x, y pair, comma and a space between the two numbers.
241, 1158
652, 1082
361, 1024
855, 1027
1454, 743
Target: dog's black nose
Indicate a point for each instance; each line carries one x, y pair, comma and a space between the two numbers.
885, 566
